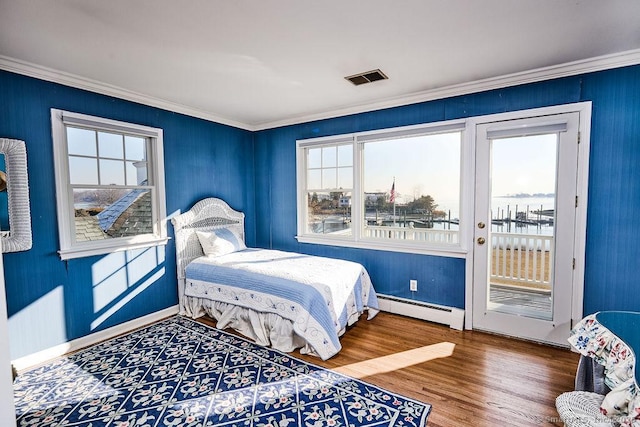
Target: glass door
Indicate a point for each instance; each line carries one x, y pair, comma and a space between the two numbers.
524, 229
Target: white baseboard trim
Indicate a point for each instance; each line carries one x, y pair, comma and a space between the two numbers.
43, 356
454, 317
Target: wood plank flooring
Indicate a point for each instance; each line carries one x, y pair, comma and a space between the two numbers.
471, 378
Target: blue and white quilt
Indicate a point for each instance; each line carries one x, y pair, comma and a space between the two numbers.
320, 296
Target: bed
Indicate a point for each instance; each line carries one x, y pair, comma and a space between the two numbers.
280, 299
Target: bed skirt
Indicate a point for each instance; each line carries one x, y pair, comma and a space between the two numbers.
266, 329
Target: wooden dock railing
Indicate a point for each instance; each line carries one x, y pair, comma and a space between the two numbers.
522, 260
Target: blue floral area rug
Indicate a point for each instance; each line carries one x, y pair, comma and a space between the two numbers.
181, 373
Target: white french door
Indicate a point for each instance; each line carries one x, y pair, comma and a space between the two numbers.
526, 177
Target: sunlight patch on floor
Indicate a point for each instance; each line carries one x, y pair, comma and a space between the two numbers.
397, 361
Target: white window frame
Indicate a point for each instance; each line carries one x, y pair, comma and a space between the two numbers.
356, 239
69, 248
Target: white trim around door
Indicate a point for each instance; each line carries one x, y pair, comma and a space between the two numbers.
578, 235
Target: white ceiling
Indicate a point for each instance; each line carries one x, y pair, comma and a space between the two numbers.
261, 63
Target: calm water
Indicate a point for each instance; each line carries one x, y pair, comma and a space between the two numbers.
502, 207
505, 207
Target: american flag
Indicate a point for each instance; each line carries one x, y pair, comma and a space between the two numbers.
392, 198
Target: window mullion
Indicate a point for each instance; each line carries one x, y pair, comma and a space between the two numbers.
149, 153
123, 160
357, 204
97, 156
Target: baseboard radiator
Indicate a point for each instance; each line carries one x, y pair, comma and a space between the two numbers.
454, 317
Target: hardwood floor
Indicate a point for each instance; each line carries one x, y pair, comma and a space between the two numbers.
471, 378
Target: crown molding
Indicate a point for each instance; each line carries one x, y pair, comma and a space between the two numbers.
49, 74
600, 63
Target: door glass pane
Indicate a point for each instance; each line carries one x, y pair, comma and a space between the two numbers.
523, 187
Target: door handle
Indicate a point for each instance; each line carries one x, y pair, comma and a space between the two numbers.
481, 240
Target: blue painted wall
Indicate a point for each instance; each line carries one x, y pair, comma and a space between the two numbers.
614, 186
51, 301
613, 224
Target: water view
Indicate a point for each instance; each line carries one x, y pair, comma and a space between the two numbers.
510, 214
515, 214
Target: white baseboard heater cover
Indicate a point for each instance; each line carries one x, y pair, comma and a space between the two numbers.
454, 317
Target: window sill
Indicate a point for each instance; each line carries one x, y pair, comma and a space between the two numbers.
72, 253
435, 250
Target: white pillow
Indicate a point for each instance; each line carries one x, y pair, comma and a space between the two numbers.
220, 242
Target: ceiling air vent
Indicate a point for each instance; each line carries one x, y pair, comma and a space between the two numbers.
367, 77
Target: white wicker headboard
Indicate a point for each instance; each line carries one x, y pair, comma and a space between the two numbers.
207, 214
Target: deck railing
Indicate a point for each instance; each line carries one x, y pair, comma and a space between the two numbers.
517, 259
427, 235
522, 260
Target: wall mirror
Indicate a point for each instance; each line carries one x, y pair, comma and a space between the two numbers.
15, 215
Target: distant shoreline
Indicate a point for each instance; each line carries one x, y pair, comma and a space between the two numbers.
527, 195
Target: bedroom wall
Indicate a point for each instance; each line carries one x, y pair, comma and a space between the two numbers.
51, 301
614, 185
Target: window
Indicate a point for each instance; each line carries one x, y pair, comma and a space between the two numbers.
329, 189
395, 189
109, 183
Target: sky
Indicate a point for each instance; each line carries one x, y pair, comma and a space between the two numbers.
524, 165
424, 165
430, 165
